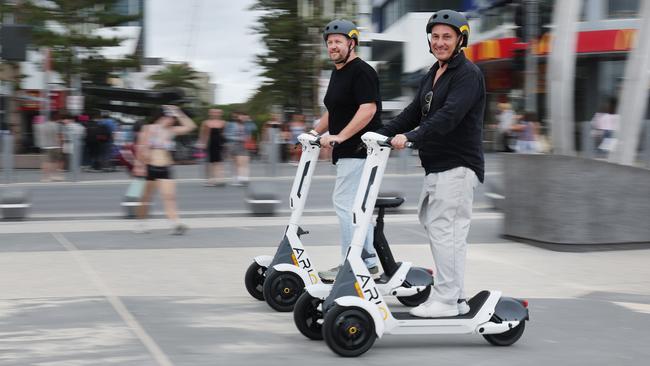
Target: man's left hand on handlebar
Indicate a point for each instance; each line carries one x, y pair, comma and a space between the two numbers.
327, 140
399, 141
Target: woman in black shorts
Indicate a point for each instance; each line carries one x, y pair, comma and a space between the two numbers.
155, 143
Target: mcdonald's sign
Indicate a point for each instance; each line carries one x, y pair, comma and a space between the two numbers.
489, 50
610, 40
543, 46
624, 39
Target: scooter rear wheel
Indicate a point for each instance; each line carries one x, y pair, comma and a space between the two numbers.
508, 338
308, 317
282, 289
254, 280
348, 331
417, 299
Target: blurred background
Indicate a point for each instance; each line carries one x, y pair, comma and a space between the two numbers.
566, 80
109, 58
567, 151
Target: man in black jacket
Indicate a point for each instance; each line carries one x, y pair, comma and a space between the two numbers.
445, 121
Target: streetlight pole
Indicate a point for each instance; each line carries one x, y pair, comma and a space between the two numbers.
530, 82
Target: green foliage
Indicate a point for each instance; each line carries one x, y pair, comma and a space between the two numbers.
66, 25
291, 63
175, 76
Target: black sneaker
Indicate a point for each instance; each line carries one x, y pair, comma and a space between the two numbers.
374, 272
179, 229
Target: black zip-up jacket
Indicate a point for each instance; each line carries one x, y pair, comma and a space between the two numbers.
450, 134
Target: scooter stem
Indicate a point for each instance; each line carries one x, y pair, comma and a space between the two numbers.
302, 182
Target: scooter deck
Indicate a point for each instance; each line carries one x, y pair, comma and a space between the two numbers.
475, 304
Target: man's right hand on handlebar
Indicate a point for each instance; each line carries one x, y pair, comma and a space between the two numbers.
399, 142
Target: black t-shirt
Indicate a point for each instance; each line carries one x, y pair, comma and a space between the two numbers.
353, 85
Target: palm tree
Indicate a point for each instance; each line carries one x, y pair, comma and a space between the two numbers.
176, 76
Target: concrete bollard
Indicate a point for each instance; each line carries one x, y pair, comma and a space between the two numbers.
262, 200
14, 202
132, 199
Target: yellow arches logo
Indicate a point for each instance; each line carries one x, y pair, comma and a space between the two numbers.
488, 50
624, 39
469, 53
353, 32
543, 46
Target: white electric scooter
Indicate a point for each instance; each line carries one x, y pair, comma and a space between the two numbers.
411, 285
280, 279
355, 311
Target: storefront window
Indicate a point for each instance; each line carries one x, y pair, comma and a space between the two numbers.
622, 9
393, 10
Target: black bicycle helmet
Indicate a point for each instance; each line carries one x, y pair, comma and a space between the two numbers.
453, 19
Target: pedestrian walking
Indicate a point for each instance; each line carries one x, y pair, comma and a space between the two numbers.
155, 144
211, 138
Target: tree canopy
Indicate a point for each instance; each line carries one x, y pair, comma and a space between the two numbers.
66, 27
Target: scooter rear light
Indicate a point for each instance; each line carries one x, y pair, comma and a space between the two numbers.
430, 271
524, 303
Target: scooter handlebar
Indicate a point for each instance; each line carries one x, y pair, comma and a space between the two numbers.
408, 145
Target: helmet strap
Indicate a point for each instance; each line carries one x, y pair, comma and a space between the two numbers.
453, 54
345, 60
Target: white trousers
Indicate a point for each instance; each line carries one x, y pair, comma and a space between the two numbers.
348, 177
445, 211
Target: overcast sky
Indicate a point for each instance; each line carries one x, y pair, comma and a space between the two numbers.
214, 36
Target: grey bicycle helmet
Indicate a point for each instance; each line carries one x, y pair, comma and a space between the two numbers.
453, 19
341, 26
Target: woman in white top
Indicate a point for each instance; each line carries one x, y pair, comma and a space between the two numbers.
155, 144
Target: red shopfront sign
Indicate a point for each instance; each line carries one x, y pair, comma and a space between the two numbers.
57, 100
601, 41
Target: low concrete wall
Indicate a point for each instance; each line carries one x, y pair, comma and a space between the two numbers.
568, 200
26, 161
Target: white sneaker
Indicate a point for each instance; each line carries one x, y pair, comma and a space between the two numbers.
463, 307
434, 309
330, 274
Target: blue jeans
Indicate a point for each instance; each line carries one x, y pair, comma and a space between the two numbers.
348, 176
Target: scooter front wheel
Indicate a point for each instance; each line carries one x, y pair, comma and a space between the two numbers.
254, 280
507, 338
348, 331
417, 299
282, 289
308, 316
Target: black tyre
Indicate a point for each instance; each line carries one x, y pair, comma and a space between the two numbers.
508, 338
417, 299
308, 317
254, 280
348, 331
282, 290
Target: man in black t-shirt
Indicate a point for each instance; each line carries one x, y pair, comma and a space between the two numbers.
353, 108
